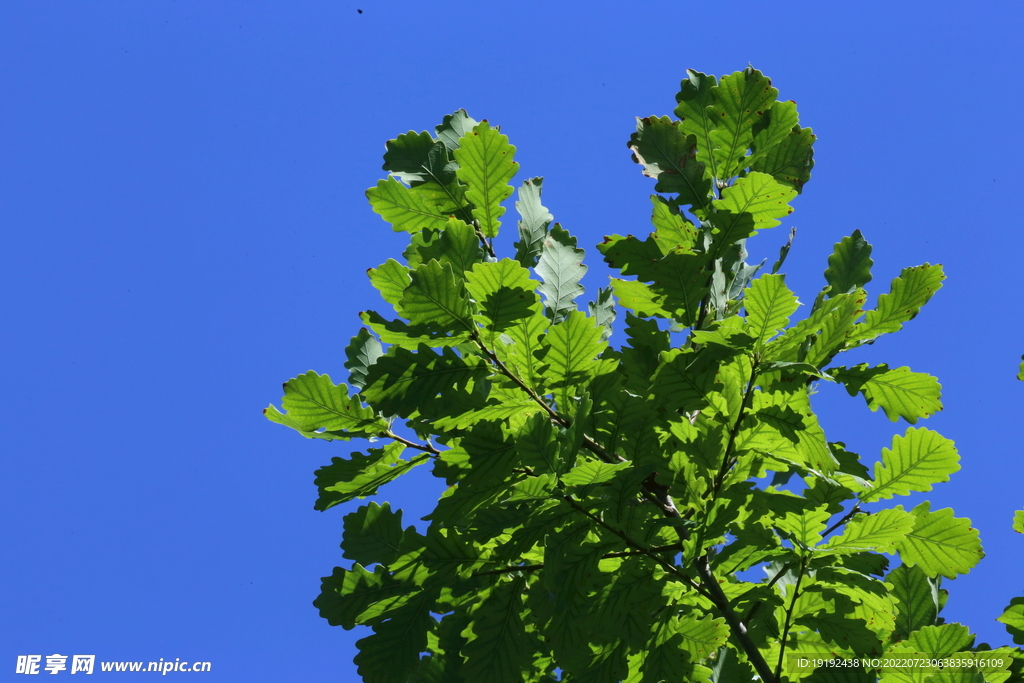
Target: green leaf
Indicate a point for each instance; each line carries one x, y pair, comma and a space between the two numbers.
907, 294
533, 489
639, 298
760, 196
436, 296
416, 158
453, 127
837, 328
772, 129
693, 107
348, 593
393, 651
1013, 617
498, 647
457, 244
573, 346
917, 460
789, 162
849, 266
361, 475
504, 293
880, 532
390, 279
1020, 371
941, 544
900, 392
402, 381
740, 101
684, 380
603, 311
561, 267
314, 402
669, 155
406, 210
768, 303
942, 640
671, 230
918, 599
1018, 521
592, 472
486, 165
362, 352
533, 223
804, 526
372, 534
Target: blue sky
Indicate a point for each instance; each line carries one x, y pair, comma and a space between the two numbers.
181, 195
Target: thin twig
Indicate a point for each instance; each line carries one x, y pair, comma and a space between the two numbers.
428, 449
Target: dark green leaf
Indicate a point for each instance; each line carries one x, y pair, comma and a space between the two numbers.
361, 475
849, 266
372, 534
669, 155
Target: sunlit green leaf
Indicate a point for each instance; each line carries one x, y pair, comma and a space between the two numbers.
760, 196
1013, 618
899, 392
405, 209
941, 544
917, 460
362, 352
401, 381
768, 303
486, 164
313, 402
668, 154
740, 101
789, 162
879, 532
918, 601
849, 266
561, 267
436, 297
908, 293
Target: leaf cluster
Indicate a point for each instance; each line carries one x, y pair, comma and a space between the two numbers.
660, 511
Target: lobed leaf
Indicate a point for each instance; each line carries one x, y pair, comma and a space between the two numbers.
313, 402
592, 472
693, 107
849, 266
503, 292
941, 544
880, 532
486, 164
768, 303
393, 651
740, 102
789, 162
533, 223
561, 268
669, 155
361, 475
498, 647
917, 460
917, 596
362, 352
405, 209
899, 392
435, 296
1018, 521
1013, 618
756, 194
372, 534
402, 381
907, 294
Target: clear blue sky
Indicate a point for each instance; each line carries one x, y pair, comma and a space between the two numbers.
184, 228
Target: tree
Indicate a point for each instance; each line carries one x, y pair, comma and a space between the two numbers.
667, 511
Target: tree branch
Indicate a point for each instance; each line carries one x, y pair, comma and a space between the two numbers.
428, 449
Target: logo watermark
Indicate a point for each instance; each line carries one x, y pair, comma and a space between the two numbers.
86, 664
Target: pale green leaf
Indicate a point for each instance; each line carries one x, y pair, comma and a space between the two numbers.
411, 336
804, 526
917, 460
361, 475
362, 352
533, 489
603, 311
453, 127
837, 328
313, 402
561, 267
671, 229
879, 532
533, 223
899, 392
941, 544
768, 303
486, 165
941, 641
907, 294
592, 472
849, 266
1018, 521
740, 101
406, 210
